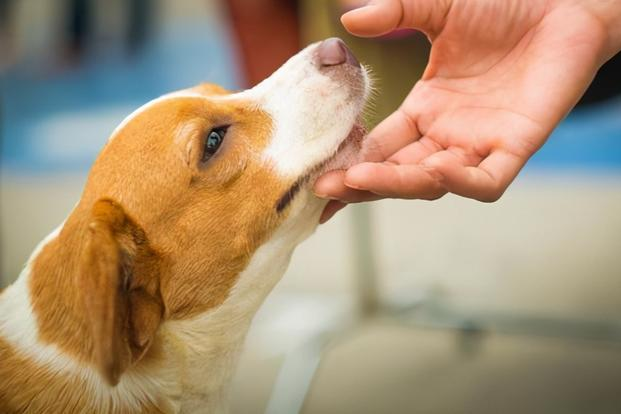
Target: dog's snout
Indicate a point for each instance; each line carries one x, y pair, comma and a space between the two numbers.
334, 52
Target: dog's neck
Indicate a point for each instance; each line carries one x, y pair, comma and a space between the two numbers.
44, 337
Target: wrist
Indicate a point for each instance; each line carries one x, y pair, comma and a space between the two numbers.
608, 14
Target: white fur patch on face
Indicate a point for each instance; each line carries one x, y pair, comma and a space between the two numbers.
312, 111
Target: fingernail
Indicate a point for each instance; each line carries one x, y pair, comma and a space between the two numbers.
358, 175
325, 217
330, 211
326, 196
355, 9
351, 184
354, 186
355, 5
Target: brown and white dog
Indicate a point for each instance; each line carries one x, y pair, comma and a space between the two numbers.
140, 301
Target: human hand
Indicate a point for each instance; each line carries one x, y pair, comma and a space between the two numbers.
501, 75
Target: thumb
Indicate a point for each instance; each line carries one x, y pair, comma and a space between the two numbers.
379, 17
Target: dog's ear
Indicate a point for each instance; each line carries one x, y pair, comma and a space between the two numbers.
120, 286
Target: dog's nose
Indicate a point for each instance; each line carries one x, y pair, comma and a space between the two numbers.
334, 52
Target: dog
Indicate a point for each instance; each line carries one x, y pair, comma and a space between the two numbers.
140, 301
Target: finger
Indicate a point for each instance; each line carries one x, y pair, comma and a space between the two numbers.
485, 182
332, 186
329, 185
381, 17
395, 181
374, 19
393, 133
330, 210
416, 151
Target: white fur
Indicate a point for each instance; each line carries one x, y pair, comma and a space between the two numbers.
18, 324
312, 112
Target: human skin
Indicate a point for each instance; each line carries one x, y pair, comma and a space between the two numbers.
501, 75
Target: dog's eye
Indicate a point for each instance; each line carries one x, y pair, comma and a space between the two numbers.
213, 141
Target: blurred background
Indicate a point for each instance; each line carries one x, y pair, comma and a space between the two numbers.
396, 307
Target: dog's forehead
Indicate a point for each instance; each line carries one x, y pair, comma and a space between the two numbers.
200, 93
169, 98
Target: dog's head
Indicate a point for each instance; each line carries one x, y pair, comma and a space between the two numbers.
191, 185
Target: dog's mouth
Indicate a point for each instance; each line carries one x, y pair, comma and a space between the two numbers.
347, 154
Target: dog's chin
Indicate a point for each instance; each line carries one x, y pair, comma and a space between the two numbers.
348, 152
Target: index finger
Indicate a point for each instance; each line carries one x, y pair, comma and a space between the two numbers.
485, 182
389, 136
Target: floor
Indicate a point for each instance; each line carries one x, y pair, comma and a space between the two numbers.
384, 367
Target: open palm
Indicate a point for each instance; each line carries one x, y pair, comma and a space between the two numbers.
500, 77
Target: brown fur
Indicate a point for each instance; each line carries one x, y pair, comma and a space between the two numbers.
119, 279
157, 235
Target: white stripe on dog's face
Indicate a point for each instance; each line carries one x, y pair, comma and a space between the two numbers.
313, 110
